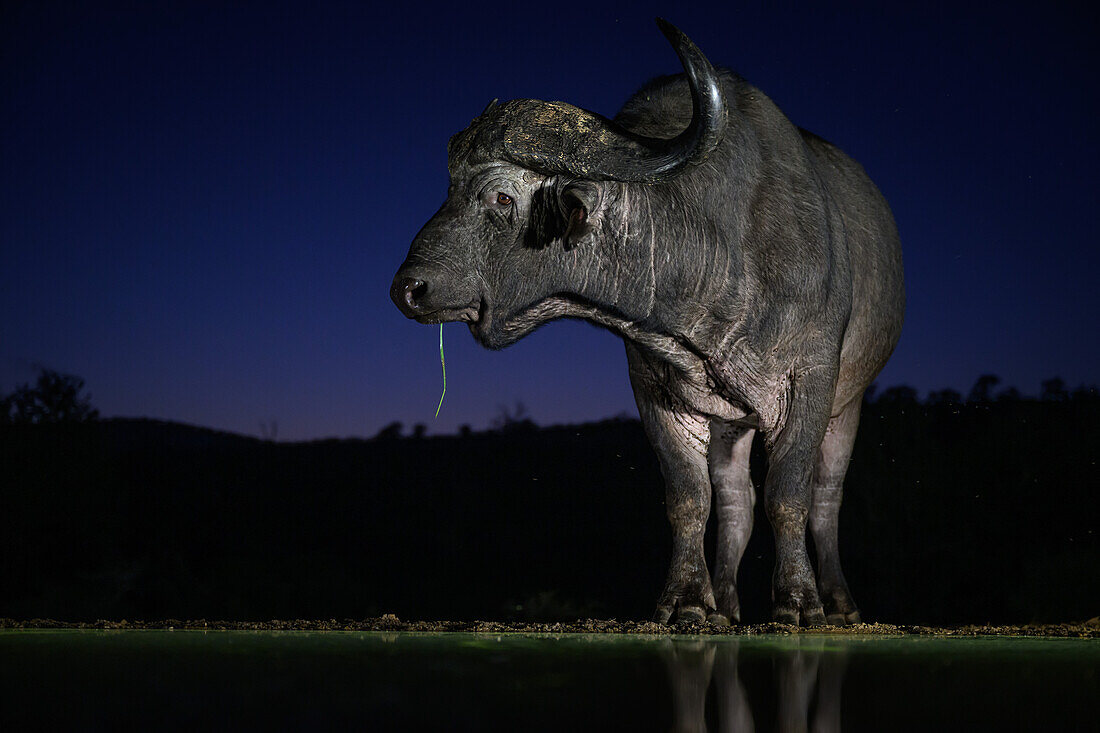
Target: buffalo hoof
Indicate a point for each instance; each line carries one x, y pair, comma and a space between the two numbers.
843, 619
840, 610
729, 607
690, 614
687, 597
717, 619
684, 614
799, 608
795, 616
795, 601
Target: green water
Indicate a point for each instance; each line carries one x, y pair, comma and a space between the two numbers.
105, 680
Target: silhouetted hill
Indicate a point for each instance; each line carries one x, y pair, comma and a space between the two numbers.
953, 513
130, 433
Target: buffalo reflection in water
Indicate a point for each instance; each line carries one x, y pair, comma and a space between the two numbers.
798, 672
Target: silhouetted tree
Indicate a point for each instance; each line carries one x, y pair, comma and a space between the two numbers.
944, 397
1086, 392
981, 392
390, 432
54, 398
419, 430
900, 395
869, 393
1009, 394
509, 421
1054, 390
269, 429
464, 431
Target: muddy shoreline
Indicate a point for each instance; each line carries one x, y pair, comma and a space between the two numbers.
388, 622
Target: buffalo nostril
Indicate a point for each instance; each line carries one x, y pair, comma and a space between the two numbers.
407, 294
414, 291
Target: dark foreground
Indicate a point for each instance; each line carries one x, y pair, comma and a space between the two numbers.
393, 680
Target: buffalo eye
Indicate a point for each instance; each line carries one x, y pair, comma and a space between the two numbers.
504, 199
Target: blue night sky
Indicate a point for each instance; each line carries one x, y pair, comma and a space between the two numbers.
201, 208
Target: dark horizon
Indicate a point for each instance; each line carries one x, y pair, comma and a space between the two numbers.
55, 398
203, 206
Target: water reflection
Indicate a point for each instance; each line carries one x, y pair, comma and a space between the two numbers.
806, 683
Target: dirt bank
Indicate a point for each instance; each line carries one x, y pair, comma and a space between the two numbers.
388, 622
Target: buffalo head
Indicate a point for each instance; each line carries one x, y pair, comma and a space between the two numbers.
537, 221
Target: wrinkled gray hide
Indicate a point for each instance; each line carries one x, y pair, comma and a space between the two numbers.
752, 269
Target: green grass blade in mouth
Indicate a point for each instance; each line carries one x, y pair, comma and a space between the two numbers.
443, 364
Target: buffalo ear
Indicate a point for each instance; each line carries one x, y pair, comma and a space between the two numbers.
577, 202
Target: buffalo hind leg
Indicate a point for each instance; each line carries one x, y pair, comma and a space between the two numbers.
788, 495
828, 489
734, 498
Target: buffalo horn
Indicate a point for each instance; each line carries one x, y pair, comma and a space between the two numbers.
559, 138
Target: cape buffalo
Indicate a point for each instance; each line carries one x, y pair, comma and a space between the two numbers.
752, 269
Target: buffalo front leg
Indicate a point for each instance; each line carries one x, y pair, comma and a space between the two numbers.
828, 488
792, 453
680, 441
734, 498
